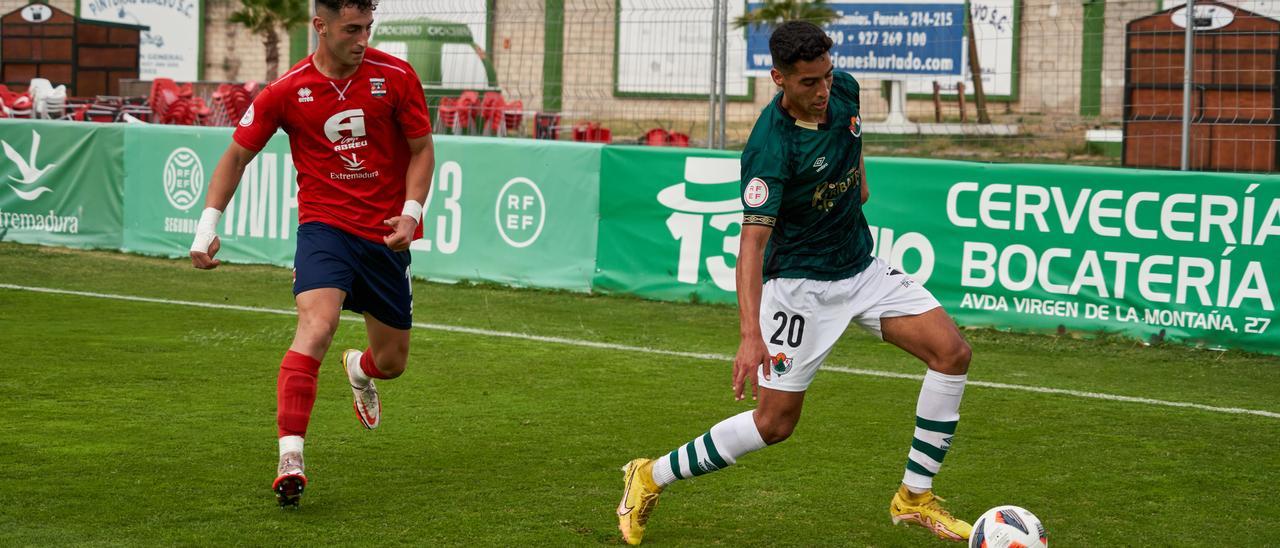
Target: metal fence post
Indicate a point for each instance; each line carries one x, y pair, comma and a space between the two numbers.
1188, 70
715, 59
724, 67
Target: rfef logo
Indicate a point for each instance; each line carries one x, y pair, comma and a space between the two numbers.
756, 193
183, 178
520, 212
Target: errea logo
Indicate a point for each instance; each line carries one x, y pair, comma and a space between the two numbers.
350, 121
304, 95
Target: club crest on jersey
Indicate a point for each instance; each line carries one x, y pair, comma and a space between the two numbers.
378, 87
756, 193
781, 364
855, 125
304, 95
247, 119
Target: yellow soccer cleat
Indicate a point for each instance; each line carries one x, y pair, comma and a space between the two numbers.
639, 498
924, 510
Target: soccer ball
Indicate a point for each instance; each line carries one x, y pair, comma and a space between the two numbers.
1008, 527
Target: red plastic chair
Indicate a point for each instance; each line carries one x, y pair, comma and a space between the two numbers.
164, 93
468, 109
546, 125
491, 109
17, 105
656, 137
582, 131
450, 114
679, 139
513, 117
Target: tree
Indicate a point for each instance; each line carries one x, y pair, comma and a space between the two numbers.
775, 12
265, 18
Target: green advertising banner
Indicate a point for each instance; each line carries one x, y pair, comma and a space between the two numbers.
511, 211
62, 183
669, 223
1153, 254
501, 210
167, 172
1160, 255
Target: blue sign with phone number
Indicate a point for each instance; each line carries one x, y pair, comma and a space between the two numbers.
882, 39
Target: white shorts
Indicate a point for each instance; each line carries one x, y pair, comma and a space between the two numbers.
801, 320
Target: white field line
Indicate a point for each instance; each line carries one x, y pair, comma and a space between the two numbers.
658, 351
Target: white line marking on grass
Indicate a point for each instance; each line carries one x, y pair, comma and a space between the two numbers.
658, 351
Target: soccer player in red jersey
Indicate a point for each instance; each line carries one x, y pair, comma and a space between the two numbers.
361, 141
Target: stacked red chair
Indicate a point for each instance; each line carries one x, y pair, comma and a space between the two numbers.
513, 117
592, 132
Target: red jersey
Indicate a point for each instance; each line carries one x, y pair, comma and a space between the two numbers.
349, 139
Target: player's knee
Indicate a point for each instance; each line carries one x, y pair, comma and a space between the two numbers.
774, 430
392, 361
316, 330
955, 360
393, 368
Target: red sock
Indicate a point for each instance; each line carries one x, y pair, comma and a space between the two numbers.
366, 365
296, 393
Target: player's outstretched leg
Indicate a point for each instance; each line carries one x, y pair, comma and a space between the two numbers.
360, 372
291, 477
646, 478
933, 337
295, 396
937, 413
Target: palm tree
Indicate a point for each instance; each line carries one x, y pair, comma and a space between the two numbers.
774, 12
265, 17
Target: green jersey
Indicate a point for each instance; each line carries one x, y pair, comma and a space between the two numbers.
804, 181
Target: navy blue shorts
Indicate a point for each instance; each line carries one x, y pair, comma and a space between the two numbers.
375, 278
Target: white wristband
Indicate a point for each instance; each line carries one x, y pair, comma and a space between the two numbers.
206, 229
413, 209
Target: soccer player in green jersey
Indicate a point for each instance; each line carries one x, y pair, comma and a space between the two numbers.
805, 271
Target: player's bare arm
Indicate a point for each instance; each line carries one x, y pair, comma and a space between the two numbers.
866, 190
417, 185
226, 178
751, 351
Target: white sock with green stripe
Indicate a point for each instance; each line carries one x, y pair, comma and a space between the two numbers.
937, 412
718, 448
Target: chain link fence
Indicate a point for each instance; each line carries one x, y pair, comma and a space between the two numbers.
1084, 81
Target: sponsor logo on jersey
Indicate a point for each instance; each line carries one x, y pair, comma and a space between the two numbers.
350, 121
827, 192
348, 143
781, 364
247, 119
855, 125
377, 87
820, 164
756, 193
304, 95
353, 163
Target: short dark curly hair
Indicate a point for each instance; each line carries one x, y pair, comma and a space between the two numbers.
336, 5
795, 41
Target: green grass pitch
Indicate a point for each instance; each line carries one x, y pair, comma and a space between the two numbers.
150, 423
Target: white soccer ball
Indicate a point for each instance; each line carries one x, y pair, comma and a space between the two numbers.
1008, 527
